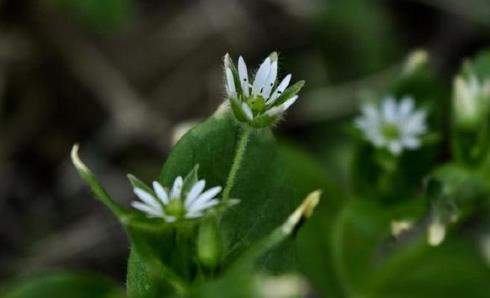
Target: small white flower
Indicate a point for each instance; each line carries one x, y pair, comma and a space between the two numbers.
259, 103
393, 126
174, 204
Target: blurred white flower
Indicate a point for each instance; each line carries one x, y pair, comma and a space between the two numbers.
173, 204
259, 103
391, 125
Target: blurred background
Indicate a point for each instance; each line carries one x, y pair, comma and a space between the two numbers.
122, 76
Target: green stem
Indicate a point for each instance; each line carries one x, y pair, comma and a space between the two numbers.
237, 160
337, 238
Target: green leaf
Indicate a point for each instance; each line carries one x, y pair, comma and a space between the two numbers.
97, 189
453, 269
481, 64
241, 272
269, 180
164, 256
136, 183
250, 167
343, 243
73, 285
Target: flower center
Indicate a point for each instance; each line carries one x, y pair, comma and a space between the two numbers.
175, 208
256, 103
390, 131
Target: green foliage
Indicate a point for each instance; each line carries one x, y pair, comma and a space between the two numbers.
71, 285
268, 180
471, 112
397, 229
455, 269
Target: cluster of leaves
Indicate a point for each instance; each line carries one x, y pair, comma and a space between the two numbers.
363, 253
349, 248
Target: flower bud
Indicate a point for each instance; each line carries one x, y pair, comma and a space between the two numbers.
470, 101
209, 244
436, 233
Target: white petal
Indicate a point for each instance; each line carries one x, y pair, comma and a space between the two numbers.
243, 75
282, 107
161, 193
406, 107
280, 89
248, 112
370, 112
230, 83
177, 188
195, 191
271, 79
193, 215
147, 198
395, 147
198, 208
169, 218
261, 76
206, 196
390, 109
415, 124
285, 105
153, 212
411, 142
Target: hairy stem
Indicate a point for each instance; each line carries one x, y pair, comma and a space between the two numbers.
237, 160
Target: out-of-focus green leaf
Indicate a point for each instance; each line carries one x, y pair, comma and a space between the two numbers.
357, 33
470, 127
453, 269
481, 64
362, 235
101, 15
73, 285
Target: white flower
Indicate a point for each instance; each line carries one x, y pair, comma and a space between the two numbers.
393, 126
176, 203
259, 103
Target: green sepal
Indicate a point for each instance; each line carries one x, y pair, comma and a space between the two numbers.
289, 92
263, 120
190, 180
237, 110
137, 183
